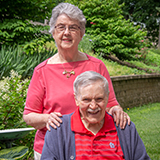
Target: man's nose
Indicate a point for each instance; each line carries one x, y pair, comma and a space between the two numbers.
93, 103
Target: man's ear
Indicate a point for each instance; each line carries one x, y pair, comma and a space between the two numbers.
75, 97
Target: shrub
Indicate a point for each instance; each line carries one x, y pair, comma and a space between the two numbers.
12, 100
22, 32
85, 44
109, 31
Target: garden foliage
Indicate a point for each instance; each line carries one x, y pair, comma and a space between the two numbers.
19, 32
12, 100
110, 32
15, 23
14, 58
146, 14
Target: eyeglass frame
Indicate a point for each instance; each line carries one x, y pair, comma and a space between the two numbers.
64, 29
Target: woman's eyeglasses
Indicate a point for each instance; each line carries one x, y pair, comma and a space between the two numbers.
71, 28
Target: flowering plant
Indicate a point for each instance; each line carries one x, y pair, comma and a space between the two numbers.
12, 99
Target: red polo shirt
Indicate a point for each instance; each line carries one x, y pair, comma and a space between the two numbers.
104, 145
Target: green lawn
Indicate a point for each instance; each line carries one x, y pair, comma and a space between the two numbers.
147, 121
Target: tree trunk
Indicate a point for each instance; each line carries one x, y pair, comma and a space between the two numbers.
159, 37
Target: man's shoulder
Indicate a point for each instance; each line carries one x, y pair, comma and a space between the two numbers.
128, 129
66, 117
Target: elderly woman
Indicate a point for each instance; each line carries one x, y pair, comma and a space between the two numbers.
50, 93
90, 133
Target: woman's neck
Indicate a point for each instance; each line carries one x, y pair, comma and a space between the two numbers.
68, 56
65, 57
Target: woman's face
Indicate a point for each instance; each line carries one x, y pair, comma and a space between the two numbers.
92, 101
67, 38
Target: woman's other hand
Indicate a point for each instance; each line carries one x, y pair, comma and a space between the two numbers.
120, 117
54, 120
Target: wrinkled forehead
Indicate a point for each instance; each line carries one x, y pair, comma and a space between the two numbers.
90, 85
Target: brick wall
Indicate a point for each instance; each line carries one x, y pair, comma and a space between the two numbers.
136, 90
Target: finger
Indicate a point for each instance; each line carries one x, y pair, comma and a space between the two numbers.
129, 120
124, 121
47, 126
117, 118
55, 117
122, 118
52, 124
58, 114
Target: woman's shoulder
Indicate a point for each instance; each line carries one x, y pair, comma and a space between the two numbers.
94, 59
41, 65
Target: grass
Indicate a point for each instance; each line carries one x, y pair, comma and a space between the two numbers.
116, 69
147, 120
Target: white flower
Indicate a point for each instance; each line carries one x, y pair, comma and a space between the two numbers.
5, 97
4, 85
13, 74
19, 87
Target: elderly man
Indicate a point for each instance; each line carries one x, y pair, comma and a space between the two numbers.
90, 132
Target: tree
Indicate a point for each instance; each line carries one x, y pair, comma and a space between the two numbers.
36, 10
111, 33
15, 22
158, 9
144, 13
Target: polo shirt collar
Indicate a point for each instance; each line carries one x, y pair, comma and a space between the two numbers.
78, 126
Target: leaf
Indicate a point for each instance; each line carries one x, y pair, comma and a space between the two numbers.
14, 153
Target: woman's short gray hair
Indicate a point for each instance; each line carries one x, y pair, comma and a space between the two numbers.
71, 11
87, 78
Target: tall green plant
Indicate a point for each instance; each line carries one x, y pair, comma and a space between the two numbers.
110, 32
14, 58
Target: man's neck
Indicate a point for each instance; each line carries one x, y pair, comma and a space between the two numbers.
94, 128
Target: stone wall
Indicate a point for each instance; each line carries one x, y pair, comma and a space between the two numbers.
136, 90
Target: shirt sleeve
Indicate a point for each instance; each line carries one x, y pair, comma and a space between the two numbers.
112, 101
35, 94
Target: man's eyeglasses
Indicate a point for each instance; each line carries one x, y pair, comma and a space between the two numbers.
71, 28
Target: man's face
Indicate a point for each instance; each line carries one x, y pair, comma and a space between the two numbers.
92, 101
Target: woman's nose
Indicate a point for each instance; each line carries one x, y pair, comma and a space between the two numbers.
67, 31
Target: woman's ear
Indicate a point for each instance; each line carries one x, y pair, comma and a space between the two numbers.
82, 34
53, 34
